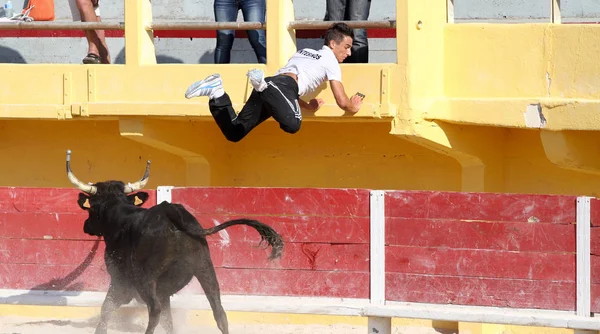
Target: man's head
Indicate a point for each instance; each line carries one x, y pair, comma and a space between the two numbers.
339, 39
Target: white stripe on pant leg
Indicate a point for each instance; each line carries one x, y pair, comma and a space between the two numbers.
298, 113
288, 101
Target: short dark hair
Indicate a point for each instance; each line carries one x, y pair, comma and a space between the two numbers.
337, 31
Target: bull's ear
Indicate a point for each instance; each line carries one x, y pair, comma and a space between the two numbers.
84, 201
138, 198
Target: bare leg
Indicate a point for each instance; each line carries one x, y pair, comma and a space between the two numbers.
96, 38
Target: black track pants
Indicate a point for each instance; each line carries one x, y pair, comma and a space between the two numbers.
279, 100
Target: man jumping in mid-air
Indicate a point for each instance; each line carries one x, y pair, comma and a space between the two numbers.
279, 95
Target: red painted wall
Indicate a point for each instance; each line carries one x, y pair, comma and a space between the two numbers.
326, 233
460, 248
481, 249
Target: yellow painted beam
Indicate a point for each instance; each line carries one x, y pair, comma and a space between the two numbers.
151, 133
281, 42
475, 328
139, 42
556, 114
477, 150
573, 150
151, 90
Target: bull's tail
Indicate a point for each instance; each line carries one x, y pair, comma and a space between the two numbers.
186, 222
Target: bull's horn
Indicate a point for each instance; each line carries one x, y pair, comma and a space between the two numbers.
86, 188
131, 187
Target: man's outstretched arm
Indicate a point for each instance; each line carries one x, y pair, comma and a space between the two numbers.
347, 104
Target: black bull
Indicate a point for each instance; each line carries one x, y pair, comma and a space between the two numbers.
153, 253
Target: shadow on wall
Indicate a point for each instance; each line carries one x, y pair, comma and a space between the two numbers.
64, 284
207, 58
160, 59
8, 55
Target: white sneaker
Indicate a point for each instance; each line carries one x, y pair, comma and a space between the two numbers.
211, 86
257, 79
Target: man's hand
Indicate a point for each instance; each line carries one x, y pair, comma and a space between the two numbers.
356, 101
315, 104
312, 105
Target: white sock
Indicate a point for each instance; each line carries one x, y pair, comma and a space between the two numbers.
217, 93
259, 86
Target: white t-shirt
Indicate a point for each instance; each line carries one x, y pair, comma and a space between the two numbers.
312, 68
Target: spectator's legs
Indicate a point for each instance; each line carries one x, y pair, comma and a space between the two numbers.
96, 40
335, 10
352, 10
358, 10
225, 11
255, 11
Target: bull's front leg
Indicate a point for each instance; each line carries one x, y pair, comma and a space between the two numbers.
115, 297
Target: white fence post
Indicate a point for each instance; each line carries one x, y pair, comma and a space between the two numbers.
163, 193
583, 256
378, 325
583, 261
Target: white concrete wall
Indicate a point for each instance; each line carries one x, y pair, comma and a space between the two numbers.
524, 10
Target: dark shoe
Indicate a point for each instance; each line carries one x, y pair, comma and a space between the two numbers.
91, 59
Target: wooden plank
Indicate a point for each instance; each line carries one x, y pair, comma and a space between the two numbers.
480, 263
59, 252
595, 297
481, 206
52, 277
275, 201
52, 200
296, 229
40, 225
38, 200
595, 240
595, 212
294, 283
210, 25
595, 268
506, 236
479, 291
296, 256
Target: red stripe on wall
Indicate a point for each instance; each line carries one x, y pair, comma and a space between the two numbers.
298, 202
480, 263
296, 256
294, 283
49, 200
506, 236
348, 230
481, 206
302, 34
461, 290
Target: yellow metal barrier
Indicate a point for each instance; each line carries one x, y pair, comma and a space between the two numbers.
137, 88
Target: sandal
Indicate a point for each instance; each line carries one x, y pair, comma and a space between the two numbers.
91, 59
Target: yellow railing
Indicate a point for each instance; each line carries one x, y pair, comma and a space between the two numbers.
141, 87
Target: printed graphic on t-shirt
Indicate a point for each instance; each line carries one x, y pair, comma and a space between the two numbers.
307, 53
312, 68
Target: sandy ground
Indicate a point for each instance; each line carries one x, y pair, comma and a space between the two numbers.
24, 325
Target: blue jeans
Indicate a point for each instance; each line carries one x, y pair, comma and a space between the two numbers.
227, 11
352, 10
